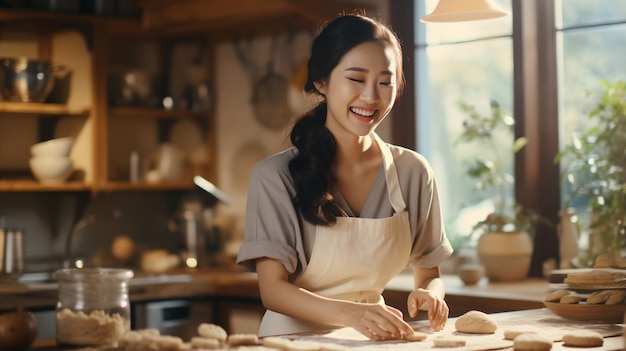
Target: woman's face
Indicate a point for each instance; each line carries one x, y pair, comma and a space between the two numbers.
361, 89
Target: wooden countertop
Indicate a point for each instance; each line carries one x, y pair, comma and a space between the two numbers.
525, 294
542, 321
532, 289
485, 296
183, 284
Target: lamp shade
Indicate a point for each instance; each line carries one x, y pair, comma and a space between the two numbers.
464, 10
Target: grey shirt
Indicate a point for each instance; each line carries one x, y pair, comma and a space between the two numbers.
276, 230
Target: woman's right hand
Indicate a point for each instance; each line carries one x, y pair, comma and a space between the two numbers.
374, 320
379, 322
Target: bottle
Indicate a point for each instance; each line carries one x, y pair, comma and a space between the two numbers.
93, 308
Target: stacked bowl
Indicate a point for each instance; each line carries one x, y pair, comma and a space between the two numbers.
50, 160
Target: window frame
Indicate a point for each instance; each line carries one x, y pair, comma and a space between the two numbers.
537, 177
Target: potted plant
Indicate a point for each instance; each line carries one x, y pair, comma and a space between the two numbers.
505, 243
594, 168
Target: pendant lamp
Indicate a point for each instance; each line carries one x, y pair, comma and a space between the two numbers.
464, 10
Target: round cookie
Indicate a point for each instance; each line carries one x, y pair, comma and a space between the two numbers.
614, 297
276, 342
449, 341
597, 298
570, 299
212, 331
242, 339
556, 295
511, 334
163, 342
605, 261
532, 342
200, 342
583, 338
417, 336
475, 322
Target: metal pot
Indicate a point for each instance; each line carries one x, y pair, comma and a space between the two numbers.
11, 254
26, 80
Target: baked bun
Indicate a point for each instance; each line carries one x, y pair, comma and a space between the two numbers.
475, 322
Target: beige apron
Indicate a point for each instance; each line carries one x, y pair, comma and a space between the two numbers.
353, 259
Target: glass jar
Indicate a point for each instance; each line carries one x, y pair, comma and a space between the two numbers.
93, 307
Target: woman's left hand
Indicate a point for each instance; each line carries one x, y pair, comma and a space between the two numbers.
435, 304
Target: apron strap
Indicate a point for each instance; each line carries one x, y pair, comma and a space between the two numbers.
391, 176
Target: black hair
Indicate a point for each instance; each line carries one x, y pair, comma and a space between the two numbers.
311, 167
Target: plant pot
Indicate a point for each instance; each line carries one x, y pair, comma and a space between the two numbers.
505, 256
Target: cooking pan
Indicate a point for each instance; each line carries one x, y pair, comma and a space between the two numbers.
270, 99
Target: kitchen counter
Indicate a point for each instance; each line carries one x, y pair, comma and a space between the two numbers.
542, 321
485, 296
174, 285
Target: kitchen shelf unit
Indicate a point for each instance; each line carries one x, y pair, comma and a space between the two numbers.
212, 20
97, 32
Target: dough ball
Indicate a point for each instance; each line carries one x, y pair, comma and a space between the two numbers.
123, 247
583, 338
163, 342
532, 342
416, 336
449, 341
242, 339
511, 334
212, 331
475, 322
556, 296
570, 299
605, 261
276, 342
614, 297
200, 342
597, 298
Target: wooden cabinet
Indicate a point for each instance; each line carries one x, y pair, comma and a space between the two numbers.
110, 131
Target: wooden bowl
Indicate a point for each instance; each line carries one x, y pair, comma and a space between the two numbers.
584, 312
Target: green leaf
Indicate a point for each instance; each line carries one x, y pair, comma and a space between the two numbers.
519, 144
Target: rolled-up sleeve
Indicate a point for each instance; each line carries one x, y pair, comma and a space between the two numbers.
419, 187
272, 229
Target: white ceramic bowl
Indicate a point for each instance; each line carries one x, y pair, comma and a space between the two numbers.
51, 169
59, 147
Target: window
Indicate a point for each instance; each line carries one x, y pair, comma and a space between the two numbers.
539, 64
472, 63
590, 38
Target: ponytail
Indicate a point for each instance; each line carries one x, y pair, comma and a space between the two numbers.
311, 167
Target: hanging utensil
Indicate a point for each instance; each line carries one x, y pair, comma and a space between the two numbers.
269, 89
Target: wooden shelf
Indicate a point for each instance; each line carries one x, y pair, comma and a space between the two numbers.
238, 17
122, 185
142, 112
35, 17
34, 108
33, 185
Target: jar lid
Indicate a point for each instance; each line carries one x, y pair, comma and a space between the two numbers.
93, 274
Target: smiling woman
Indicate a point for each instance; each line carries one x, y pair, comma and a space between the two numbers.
341, 197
